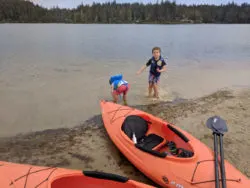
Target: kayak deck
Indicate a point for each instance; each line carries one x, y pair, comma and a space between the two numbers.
30, 176
152, 152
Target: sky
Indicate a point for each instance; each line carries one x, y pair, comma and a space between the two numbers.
75, 3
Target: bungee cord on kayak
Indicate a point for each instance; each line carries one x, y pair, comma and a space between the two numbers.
31, 176
207, 181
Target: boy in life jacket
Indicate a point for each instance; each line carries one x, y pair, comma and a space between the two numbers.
118, 87
157, 66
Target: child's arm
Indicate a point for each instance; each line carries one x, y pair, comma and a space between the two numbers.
164, 68
141, 69
144, 67
112, 88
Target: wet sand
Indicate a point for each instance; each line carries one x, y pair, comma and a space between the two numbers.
88, 146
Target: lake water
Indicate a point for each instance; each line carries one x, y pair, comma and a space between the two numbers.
54, 75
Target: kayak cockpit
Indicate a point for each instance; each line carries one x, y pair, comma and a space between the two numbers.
91, 179
155, 137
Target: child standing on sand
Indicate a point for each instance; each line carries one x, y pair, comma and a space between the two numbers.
157, 66
118, 87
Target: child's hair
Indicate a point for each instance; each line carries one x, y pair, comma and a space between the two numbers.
156, 48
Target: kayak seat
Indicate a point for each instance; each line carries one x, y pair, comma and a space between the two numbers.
139, 127
150, 141
135, 125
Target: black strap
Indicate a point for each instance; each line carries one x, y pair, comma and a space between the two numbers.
152, 152
180, 152
184, 153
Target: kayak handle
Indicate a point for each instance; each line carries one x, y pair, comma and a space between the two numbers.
180, 134
107, 176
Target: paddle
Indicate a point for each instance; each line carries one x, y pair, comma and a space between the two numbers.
219, 127
217, 185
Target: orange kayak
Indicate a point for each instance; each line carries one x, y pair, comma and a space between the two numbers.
29, 176
163, 152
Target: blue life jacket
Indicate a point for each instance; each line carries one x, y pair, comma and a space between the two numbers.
156, 64
117, 81
115, 77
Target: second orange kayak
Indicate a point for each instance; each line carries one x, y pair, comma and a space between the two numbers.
166, 154
14, 175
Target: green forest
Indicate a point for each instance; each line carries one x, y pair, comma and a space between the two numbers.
164, 12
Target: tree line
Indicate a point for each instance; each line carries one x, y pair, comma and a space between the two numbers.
21, 11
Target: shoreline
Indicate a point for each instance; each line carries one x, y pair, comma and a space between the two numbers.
88, 147
144, 23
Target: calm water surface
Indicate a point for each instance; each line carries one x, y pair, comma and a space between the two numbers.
54, 75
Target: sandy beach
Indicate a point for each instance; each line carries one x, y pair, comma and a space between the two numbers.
87, 146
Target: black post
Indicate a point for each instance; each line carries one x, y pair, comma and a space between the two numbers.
219, 127
217, 183
223, 173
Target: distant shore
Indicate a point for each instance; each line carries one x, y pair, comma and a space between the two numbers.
112, 12
129, 23
88, 146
